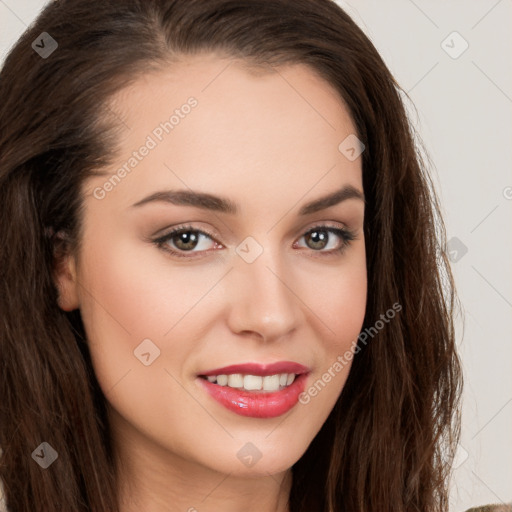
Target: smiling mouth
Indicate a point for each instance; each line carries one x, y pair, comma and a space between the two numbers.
254, 383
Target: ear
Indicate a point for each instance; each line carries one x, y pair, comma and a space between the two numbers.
64, 273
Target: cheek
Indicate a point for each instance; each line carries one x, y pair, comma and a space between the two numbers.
342, 312
132, 293
338, 301
121, 305
345, 309
135, 291
128, 302
339, 307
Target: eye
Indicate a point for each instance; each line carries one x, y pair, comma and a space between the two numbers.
185, 239
320, 237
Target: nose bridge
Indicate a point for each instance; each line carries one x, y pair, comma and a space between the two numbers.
263, 301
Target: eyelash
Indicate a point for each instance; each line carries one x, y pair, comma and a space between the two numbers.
346, 235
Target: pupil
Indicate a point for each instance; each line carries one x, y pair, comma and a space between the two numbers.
321, 235
187, 238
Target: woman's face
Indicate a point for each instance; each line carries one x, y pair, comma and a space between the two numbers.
245, 288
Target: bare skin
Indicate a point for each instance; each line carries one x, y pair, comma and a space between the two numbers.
269, 143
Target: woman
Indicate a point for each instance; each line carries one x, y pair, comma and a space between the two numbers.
224, 276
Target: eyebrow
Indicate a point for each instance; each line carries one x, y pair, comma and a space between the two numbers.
224, 205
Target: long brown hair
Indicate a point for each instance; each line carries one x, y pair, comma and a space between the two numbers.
381, 448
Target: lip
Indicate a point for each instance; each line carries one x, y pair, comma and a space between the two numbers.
255, 404
259, 369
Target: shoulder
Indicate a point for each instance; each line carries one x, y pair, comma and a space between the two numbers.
492, 508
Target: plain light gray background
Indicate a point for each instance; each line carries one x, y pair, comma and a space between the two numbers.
463, 98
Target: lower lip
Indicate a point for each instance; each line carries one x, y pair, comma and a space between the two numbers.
254, 404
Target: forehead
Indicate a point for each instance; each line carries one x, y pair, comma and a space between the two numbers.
210, 120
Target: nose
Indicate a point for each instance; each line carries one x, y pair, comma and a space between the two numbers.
263, 304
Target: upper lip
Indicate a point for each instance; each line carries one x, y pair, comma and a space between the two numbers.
259, 369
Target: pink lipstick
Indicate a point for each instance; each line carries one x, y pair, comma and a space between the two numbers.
256, 390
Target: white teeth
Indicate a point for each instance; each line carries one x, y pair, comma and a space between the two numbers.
271, 383
254, 382
236, 380
222, 380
